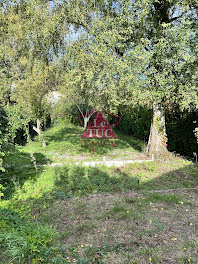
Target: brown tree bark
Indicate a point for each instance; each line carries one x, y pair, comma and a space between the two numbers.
39, 132
157, 139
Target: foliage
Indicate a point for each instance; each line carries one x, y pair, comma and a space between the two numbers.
31, 39
4, 135
141, 52
149, 52
136, 121
64, 112
117, 54
16, 119
30, 93
180, 127
1, 191
196, 133
120, 54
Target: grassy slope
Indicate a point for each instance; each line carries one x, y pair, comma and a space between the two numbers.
48, 195
64, 143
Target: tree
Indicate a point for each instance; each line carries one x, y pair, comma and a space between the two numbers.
31, 41
124, 52
153, 43
78, 80
31, 94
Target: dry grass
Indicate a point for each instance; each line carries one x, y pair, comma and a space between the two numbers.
149, 228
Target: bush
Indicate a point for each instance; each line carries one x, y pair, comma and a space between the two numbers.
15, 119
64, 111
180, 128
136, 121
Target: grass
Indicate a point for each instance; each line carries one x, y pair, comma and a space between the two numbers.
76, 214
64, 143
122, 228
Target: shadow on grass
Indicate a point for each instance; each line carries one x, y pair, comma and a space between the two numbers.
73, 135
74, 180
126, 140
186, 177
78, 180
65, 133
21, 167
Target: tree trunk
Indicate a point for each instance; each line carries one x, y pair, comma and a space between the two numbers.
38, 130
86, 120
157, 139
33, 159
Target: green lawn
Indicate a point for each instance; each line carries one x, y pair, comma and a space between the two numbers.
84, 215
64, 143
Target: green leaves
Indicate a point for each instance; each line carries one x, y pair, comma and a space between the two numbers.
196, 133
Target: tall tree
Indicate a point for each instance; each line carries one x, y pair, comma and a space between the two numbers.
32, 37
31, 93
154, 45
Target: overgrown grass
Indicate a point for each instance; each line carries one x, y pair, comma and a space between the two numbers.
24, 242
36, 198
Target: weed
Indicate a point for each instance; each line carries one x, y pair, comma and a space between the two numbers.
158, 225
190, 244
81, 208
130, 200
145, 251
103, 216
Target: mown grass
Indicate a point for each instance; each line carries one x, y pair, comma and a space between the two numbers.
76, 214
64, 143
127, 228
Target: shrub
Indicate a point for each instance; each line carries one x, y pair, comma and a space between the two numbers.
64, 111
136, 121
180, 128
